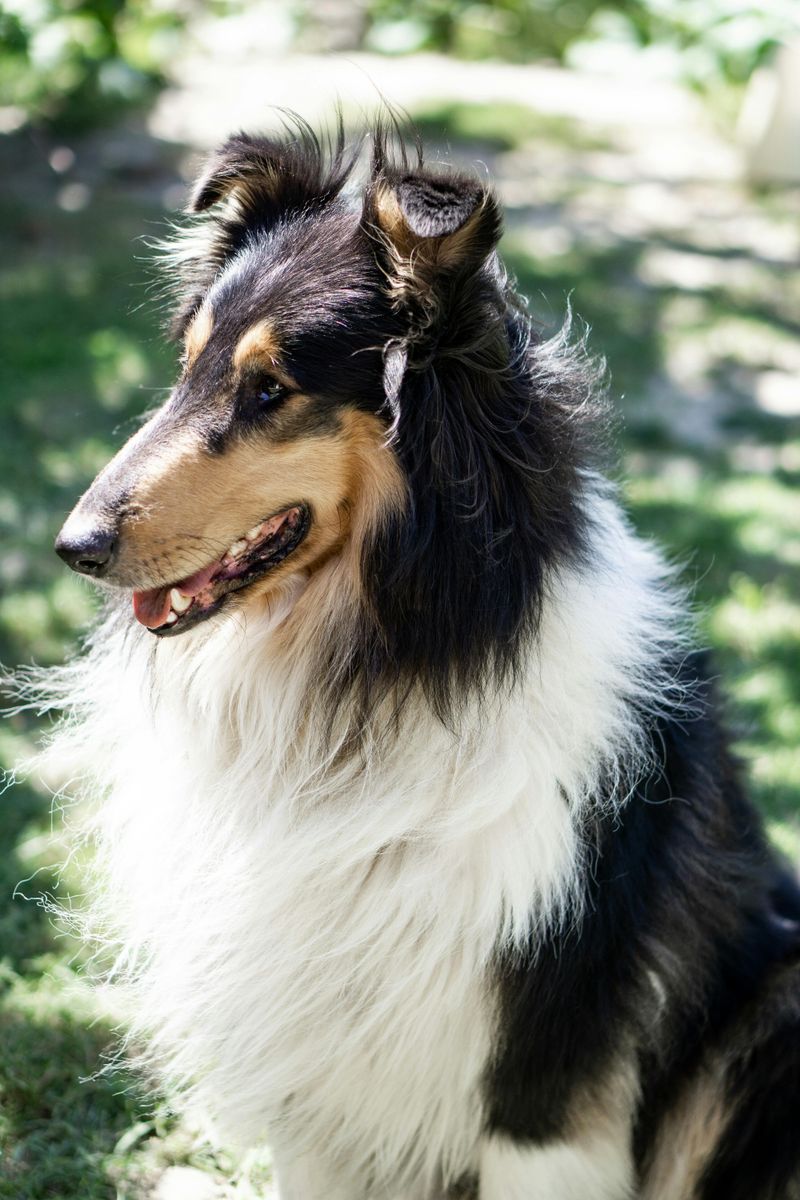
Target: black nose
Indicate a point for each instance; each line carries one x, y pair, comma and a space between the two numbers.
88, 552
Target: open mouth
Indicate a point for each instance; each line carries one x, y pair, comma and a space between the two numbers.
179, 606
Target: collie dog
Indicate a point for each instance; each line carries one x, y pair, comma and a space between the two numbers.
428, 860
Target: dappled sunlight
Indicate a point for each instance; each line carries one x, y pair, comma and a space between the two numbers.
633, 213
48, 618
74, 467
757, 621
83, 357
778, 392
59, 1094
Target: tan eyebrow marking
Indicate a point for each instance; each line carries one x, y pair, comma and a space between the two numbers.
260, 343
198, 334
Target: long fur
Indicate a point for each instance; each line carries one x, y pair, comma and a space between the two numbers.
411, 865
328, 897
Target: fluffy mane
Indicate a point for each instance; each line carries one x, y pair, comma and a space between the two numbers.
231, 820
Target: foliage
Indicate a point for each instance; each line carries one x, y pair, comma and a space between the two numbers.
512, 29
70, 64
712, 39
74, 63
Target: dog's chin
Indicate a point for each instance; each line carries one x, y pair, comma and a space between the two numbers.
178, 607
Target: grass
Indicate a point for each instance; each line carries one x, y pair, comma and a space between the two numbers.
499, 126
706, 471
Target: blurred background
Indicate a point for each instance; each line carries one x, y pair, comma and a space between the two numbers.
648, 156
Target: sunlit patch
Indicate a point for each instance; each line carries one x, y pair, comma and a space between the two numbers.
73, 197
182, 604
778, 393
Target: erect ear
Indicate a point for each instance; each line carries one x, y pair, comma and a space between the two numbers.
433, 233
267, 177
246, 186
432, 223
243, 163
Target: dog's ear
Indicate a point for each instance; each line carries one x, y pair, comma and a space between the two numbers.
432, 234
246, 187
267, 177
430, 227
243, 165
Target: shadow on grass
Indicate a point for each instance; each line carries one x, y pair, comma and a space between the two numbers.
26, 930
731, 526
746, 601
60, 1121
82, 358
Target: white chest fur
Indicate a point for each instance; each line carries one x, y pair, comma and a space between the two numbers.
310, 937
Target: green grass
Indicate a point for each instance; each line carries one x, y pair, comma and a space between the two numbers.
56, 1132
82, 356
499, 126
78, 358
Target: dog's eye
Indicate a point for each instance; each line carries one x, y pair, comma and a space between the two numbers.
269, 393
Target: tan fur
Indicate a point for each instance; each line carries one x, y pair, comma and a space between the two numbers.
258, 342
457, 247
186, 505
605, 1111
687, 1139
190, 505
390, 219
421, 252
197, 334
377, 489
242, 189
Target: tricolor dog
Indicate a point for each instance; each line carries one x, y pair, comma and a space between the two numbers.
418, 831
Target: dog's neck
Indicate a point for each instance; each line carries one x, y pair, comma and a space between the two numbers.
229, 809
243, 708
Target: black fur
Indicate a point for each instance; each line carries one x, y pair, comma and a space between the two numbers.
493, 502
405, 310
270, 179
758, 1153
485, 433
435, 207
682, 884
423, 327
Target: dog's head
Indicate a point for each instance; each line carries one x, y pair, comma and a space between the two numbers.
355, 380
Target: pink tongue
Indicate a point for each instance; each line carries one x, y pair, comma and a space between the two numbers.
151, 608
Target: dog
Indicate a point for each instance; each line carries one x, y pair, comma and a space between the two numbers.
420, 835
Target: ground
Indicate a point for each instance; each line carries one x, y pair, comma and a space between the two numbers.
624, 200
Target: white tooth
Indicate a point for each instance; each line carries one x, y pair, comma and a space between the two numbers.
171, 619
179, 602
237, 548
254, 533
